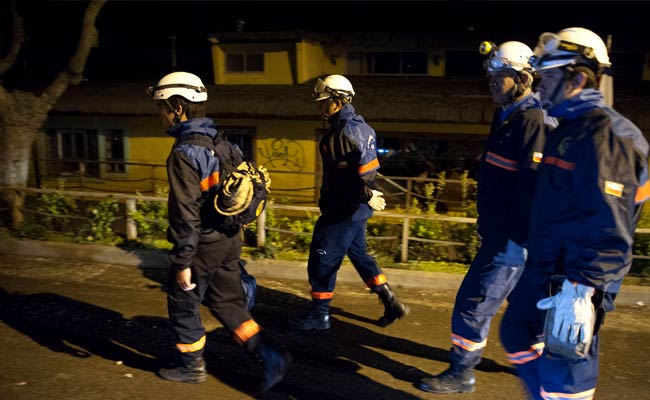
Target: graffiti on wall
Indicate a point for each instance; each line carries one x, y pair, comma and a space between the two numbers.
283, 154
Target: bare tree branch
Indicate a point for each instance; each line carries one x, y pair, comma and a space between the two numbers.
17, 40
74, 73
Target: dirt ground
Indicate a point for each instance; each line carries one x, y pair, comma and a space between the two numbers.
77, 330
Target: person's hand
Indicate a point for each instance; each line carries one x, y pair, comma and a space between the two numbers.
514, 255
574, 313
377, 202
184, 279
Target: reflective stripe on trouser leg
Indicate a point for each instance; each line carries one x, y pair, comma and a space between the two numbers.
191, 347
522, 327
245, 331
562, 378
483, 290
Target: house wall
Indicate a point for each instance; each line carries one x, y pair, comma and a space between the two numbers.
278, 66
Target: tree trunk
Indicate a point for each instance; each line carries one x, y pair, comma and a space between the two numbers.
22, 114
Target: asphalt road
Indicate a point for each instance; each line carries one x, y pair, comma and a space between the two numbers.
74, 329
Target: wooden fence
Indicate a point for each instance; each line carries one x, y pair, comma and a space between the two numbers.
405, 238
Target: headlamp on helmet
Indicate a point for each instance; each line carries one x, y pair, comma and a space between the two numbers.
507, 56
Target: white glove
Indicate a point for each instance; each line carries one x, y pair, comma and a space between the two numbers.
515, 255
574, 313
377, 202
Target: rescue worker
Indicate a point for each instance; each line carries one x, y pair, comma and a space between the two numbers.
204, 261
591, 186
348, 196
506, 180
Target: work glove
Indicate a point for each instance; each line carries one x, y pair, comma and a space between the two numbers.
571, 317
377, 202
514, 255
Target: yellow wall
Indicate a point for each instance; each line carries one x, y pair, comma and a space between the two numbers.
309, 60
277, 64
436, 64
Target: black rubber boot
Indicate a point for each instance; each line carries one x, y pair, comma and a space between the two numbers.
190, 369
317, 319
276, 360
393, 308
453, 380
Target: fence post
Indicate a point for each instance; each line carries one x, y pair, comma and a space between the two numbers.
409, 190
131, 226
261, 229
82, 173
405, 240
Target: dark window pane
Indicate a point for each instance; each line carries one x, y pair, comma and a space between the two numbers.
115, 150
242, 137
414, 63
387, 63
255, 62
234, 62
464, 63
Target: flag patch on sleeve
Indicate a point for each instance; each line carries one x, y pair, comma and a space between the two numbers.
614, 188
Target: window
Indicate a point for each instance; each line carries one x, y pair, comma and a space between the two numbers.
411, 155
68, 150
245, 62
388, 63
242, 137
114, 150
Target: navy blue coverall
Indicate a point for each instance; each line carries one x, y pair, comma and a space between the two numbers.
349, 156
505, 188
591, 185
213, 256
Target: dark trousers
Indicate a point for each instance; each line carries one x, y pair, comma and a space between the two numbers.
332, 240
216, 273
545, 375
483, 290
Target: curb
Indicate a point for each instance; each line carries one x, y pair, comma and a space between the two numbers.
630, 295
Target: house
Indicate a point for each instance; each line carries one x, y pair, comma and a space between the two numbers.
424, 94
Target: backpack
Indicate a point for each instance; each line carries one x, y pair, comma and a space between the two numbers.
249, 284
243, 187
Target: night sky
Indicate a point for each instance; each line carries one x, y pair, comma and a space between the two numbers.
135, 39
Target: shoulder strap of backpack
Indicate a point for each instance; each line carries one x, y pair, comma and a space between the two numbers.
198, 139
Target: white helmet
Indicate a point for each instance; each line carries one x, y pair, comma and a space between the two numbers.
336, 86
184, 84
509, 55
570, 46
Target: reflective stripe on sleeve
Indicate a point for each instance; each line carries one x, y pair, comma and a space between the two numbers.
558, 162
501, 162
642, 193
210, 181
373, 164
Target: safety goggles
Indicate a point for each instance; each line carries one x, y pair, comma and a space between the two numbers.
494, 64
321, 91
152, 89
550, 44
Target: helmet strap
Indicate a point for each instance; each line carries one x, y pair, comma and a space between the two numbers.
559, 87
